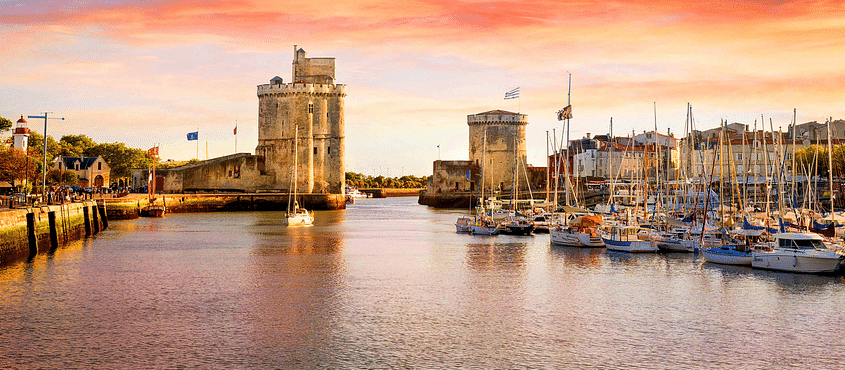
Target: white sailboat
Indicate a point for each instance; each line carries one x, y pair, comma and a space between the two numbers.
296, 216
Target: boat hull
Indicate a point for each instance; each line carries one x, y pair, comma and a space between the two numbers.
634, 246
726, 256
575, 239
299, 219
483, 230
518, 229
463, 224
796, 262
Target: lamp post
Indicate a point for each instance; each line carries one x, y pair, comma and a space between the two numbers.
44, 149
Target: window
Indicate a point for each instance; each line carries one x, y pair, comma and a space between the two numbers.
310, 107
328, 150
739, 156
99, 166
315, 150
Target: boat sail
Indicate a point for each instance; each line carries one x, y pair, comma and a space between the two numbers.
296, 215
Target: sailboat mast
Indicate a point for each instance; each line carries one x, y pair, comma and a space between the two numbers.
610, 164
830, 167
548, 172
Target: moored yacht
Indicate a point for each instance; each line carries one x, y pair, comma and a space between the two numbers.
797, 252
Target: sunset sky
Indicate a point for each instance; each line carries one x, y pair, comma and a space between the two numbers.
149, 72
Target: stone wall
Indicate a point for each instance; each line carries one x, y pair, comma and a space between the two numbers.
69, 225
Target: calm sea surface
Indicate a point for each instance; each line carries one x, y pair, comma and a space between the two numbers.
388, 283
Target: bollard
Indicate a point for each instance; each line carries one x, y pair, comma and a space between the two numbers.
103, 215
54, 235
86, 216
30, 232
95, 210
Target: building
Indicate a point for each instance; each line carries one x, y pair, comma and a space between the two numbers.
497, 144
497, 162
305, 116
299, 122
20, 137
92, 171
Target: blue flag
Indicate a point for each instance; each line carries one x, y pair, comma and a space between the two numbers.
193, 135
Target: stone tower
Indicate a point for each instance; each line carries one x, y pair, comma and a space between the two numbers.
21, 135
505, 136
312, 105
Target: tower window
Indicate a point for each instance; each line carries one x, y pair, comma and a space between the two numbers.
328, 150
315, 150
99, 166
310, 107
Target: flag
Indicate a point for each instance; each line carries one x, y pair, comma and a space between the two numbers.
236, 130
564, 113
193, 135
152, 152
513, 94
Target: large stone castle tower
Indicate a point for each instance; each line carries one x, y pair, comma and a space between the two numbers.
312, 106
496, 140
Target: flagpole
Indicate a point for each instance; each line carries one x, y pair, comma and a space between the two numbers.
236, 136
198, 143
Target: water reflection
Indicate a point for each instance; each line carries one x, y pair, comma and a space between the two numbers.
496, 255
389, 284
581, 257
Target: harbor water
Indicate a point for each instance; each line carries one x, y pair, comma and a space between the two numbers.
387, 283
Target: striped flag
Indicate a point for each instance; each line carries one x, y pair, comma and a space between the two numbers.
152, 152
513, 94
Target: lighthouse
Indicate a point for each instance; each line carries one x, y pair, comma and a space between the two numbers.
21, 135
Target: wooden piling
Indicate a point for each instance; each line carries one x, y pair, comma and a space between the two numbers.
30, 233
85, 216
96, 210
103, 215
54, 235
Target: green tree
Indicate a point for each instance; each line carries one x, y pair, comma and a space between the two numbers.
70, 177
5, 124
36, 143
171, 164
814, 158
75, 145
121, 159
54, 176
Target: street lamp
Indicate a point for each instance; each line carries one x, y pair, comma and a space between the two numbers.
44, 149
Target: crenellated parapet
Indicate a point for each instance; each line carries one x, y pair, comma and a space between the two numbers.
497, 117
302, 88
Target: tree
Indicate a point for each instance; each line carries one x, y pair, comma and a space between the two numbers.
5, 124
70, 177
13, 166
36, 143
75, 145
120, 158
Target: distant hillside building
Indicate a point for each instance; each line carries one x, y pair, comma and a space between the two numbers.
92, 171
